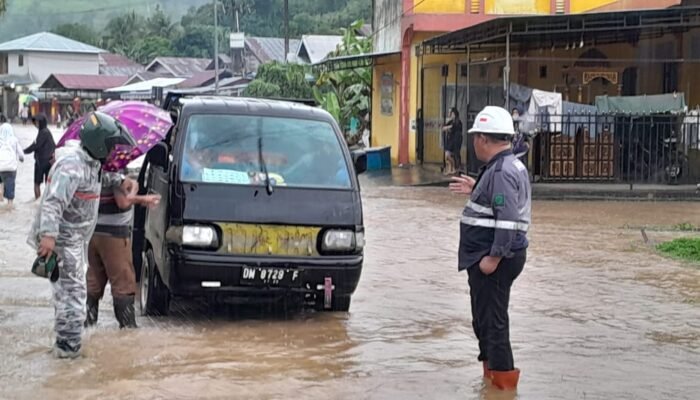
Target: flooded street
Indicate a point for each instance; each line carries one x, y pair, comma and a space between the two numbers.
596, 314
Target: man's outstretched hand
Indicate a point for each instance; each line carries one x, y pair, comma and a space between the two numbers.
462, 184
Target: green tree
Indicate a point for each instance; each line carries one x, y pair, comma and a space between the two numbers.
260, 88
159, 24
280, 80
3, 7
346, 93
198, 41
150, 47
123, 32
79, 32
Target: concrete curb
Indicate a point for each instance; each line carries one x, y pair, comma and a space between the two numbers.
540, 193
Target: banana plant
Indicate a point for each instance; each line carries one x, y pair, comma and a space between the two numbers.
346, 93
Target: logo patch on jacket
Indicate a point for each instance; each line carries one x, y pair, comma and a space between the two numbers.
499, 200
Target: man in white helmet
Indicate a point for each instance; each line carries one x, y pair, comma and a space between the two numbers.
493, 242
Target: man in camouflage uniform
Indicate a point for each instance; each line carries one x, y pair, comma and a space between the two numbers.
66, 220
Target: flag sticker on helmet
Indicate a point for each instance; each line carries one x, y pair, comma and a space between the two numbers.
483, 119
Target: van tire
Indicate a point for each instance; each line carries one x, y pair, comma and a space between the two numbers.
154, 296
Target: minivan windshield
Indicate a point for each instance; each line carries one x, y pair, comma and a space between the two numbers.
255, 150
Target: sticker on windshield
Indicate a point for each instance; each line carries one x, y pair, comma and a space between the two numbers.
225, 176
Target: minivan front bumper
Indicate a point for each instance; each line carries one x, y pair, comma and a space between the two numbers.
197, 273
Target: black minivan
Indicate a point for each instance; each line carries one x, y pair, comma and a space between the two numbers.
260, 201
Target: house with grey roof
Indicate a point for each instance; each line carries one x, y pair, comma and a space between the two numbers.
258, 51
35, 57
178, 67
118, 65
314, 48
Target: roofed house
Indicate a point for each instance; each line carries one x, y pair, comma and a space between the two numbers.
314, 48
204, 78
81, 83
118, 65
143, 76
39, 55
180, 67
258, 51
225, 62
262, 50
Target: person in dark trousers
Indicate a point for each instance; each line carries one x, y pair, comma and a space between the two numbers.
493, 239
453, 142
109, 252
43, 149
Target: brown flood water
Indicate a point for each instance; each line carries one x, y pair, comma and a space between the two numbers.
596, 314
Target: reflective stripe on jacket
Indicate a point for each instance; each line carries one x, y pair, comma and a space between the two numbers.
496, 219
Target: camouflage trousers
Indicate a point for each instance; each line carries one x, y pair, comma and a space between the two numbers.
69, 296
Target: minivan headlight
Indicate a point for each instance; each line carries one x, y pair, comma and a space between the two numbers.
199, 236
339, 240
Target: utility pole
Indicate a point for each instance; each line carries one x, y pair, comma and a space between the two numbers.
216, 47
286, 29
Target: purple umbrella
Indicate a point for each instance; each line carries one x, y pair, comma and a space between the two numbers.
147, 123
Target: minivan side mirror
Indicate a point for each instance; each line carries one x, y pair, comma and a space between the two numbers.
158, 155
359, 159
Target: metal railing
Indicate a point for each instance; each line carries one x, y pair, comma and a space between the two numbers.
617, 147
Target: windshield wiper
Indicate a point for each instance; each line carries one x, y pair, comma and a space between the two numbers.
263, 166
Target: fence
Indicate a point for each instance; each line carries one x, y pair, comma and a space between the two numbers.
617, 147
623, 148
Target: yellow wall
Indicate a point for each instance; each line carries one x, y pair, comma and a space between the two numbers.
438, 6
580, 6
517, 7
385, 129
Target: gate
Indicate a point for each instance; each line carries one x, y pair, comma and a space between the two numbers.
619, 147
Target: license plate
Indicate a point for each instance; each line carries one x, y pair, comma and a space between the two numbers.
259, 276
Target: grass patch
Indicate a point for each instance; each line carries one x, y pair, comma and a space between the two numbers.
683, 248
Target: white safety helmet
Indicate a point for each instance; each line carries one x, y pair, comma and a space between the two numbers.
494, 121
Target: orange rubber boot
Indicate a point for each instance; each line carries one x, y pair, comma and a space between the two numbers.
487, 371
505, 380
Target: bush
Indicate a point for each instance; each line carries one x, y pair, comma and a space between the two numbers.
683, 248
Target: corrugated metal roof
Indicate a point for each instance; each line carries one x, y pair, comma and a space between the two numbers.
118, 65
82, 82
16, 79
147, 85
48, 42
314, 48
183, 67
268, 49
201, 78
146, 76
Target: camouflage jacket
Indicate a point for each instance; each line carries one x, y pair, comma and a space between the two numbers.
68, 209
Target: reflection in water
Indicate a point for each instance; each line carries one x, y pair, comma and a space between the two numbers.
595, 315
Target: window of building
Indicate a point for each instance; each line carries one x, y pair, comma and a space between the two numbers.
543, 71
20, 60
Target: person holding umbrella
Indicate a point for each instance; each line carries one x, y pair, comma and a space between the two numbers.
66, 220
109, 251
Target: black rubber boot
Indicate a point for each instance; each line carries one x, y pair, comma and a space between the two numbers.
124, 311
93, 307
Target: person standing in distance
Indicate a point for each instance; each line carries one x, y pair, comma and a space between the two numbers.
493, 239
